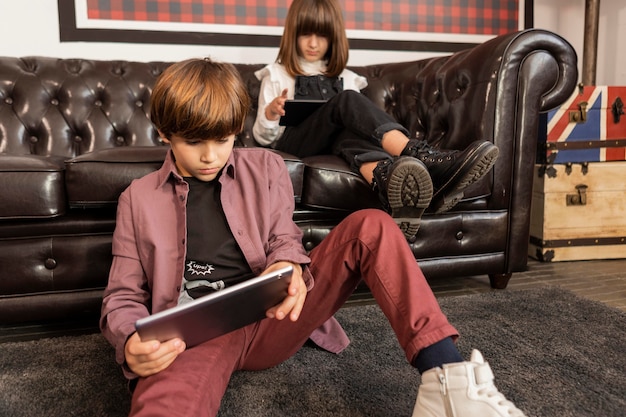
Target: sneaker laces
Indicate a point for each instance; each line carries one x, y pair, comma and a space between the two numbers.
491, 391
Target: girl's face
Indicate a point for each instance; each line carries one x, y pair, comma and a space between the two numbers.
312, 47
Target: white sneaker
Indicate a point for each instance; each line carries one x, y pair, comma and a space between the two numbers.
462, 389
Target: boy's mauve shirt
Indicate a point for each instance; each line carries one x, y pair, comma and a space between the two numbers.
149, 239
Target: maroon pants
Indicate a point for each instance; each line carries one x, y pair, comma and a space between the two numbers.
367, 245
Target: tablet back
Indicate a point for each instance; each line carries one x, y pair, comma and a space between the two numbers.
218, 313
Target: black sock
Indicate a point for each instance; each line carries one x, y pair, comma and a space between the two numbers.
435, 355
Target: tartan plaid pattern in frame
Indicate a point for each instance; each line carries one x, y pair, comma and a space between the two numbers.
483, 17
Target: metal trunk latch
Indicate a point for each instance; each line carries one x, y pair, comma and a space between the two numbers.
617, 109
579, 116
578, 199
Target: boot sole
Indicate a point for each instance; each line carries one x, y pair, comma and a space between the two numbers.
409, 192
474, 168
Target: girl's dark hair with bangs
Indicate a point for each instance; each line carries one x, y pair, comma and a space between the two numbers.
199, 99
320, 17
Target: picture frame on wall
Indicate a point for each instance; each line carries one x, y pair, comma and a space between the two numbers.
400, 25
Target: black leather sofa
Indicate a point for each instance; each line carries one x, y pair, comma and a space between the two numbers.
75, 132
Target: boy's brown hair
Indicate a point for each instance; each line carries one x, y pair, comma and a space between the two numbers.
199, 99
320, 17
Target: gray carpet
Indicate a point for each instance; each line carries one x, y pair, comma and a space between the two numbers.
552, 352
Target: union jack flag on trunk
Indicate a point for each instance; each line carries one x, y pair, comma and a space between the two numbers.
589, 127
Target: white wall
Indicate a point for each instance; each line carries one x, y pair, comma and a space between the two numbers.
567, 18
30, 27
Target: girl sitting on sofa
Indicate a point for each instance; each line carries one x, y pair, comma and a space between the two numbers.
406, 173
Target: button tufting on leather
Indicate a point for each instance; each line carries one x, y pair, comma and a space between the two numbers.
73, 68
459, 235
50, 263
8, 100
33, 139
78, 139
30, 66
54, 102
97, 103
139, 103
119, 140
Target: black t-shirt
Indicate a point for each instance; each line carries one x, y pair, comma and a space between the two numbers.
214, 260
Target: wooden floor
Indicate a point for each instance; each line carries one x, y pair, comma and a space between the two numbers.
603, 281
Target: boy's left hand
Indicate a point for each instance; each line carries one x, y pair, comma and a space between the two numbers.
296, 294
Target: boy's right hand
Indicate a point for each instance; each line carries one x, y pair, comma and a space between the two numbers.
151, 357
276, 108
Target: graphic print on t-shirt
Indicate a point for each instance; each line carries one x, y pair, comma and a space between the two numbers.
198, 277
199, 269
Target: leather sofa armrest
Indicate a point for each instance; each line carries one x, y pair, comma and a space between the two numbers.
496, 91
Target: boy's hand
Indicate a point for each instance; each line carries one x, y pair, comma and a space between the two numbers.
296, 294
276, 108
151, 357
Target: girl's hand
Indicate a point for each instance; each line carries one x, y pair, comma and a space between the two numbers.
276, 108
150, 357
296, 294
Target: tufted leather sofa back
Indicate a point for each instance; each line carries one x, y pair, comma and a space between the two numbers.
69, 107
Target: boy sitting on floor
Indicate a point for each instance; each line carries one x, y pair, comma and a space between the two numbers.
228, 211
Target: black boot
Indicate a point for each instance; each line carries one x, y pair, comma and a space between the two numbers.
452, 171
405, 190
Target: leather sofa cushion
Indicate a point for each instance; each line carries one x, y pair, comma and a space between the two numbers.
328, 179
32, 187
327, 182
295, 167
96, 179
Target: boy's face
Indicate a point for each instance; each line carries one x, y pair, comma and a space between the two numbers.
201, 158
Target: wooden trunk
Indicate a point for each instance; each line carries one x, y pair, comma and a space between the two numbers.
578, 212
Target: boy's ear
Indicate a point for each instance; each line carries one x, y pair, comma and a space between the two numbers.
163, 138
